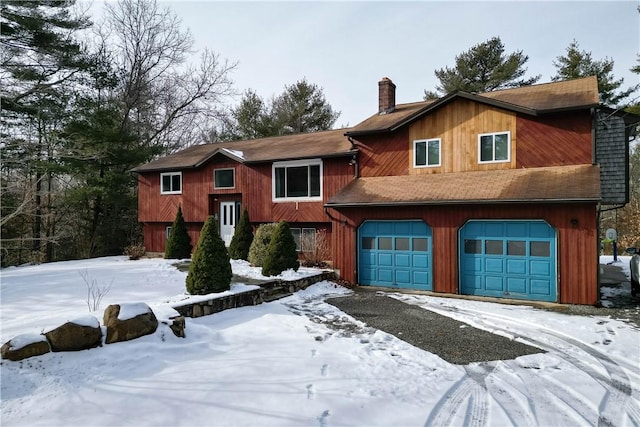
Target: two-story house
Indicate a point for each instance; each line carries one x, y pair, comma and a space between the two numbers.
494, 194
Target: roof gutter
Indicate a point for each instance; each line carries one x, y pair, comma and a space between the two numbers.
458, 202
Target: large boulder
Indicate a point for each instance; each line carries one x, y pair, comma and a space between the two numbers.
75, 335
24, 346
125, 322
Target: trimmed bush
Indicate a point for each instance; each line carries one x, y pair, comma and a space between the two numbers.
281, 254
260, 244
242, 238
210, 269
179, 243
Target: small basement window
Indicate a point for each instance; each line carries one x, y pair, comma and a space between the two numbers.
305, 239
171, 183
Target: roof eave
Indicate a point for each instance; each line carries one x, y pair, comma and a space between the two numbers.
460, 202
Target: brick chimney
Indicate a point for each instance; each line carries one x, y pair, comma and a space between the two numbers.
386, 96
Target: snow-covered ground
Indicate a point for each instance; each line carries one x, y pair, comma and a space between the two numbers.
300, 361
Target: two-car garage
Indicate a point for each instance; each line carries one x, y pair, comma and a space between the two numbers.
497, 258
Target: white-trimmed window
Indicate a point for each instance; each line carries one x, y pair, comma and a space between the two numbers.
426, 153
299, 180
305, 239
224, 178
167, 232
494, 147
171, 183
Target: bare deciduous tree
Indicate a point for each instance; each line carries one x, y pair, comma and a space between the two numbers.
167, 97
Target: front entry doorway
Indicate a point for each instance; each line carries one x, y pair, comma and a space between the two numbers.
228, 218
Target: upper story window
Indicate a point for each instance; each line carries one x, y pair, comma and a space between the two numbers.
224, 178
426, 153
494, 147
171, 183
297, 181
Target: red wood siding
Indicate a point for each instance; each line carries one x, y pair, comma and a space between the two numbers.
563, 139
384, 154
577, 251
252, 188
155, 235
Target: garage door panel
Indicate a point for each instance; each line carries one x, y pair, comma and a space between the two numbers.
402, 260
421, 278
516, 266
385, 259
494, 283
517, 285
510, 258
540, 287
420, 261
395, 253
540, 268
494, 265
471, 283
368, 274
403, 277
367, 258
472, 264
385, 275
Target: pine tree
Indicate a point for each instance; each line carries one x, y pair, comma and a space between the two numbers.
578, 63
210, 269
483, 68
42, 61
282, 254
179, 243
242, 238
260, 244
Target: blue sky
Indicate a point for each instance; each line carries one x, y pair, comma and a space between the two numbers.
346, 47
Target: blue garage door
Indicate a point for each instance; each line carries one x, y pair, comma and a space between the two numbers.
508, 259
395, 254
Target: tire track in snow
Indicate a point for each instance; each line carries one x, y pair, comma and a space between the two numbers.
618, 400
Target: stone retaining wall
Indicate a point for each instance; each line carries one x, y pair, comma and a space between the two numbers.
76, 337
268, 291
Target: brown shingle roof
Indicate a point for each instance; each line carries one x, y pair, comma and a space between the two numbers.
535, 99
289, 147
549, 184
569, 94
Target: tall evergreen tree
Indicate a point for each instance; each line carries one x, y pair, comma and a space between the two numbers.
578, 63
179, 243
301, 107
41, 62
260, 245
281, 254
483, 68
210, 268
242, 238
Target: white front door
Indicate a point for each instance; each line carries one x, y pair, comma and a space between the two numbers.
227, 221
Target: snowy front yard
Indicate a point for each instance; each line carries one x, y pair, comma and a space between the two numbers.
300, 361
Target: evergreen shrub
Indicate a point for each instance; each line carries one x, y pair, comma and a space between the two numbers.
260, 244
179, 243
281, 254
210, 269
242, 238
